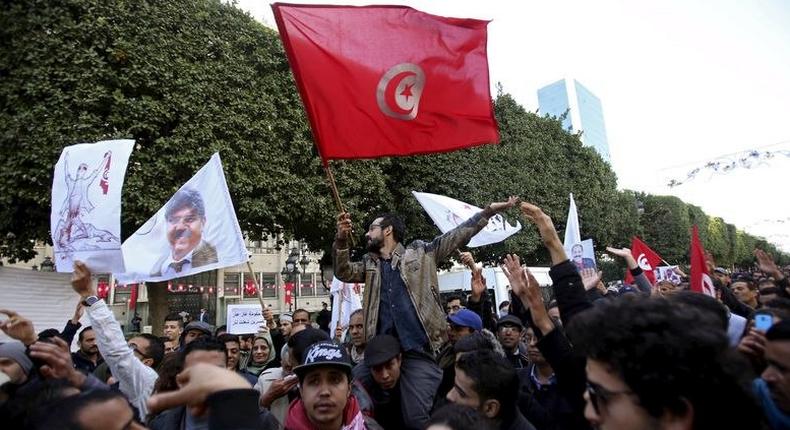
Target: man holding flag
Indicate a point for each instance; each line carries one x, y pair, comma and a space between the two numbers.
401, 297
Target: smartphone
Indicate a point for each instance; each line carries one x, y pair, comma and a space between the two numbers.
763, 321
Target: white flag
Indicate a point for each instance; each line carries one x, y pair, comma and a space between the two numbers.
345, 300
572, 234
449, 213
195, 231
86, 205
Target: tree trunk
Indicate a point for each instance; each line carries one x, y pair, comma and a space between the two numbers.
157, 305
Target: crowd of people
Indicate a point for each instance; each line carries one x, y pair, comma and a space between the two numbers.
641, 356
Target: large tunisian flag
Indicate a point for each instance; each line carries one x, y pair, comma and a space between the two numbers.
388, 80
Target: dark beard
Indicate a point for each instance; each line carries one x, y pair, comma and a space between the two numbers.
374, 246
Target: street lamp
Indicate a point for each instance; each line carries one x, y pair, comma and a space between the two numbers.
47, 265
291, 272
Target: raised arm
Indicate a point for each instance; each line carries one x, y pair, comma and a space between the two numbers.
345, 269
566, 281
640, 280
448, 243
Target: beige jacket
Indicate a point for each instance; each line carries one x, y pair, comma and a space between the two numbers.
417, 264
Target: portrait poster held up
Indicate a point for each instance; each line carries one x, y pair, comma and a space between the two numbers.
195, 231
86, 205
581, 252
448, 213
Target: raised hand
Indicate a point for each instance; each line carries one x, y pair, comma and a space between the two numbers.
57, 357
81, 280
78, 312
511, 266
277, 389
18, 327
500, 206
625, 254
766, 264
195, 384
547, 231
590, 278
344, 227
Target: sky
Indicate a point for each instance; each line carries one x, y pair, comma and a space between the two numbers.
681, 82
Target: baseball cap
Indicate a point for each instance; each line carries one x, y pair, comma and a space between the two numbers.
509, 320
322, 354
466, 318
381, 349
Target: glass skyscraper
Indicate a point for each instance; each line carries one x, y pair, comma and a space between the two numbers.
584, 112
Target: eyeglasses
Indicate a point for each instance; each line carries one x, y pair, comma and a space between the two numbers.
509, 328
600, 396
136, 349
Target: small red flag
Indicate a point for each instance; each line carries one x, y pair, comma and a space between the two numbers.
105, 177
388, 80
646, 258
289, 289
700, 279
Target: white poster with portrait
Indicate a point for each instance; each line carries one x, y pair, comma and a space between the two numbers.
668, 273
448, 213
86, 205
582, 254
195, 231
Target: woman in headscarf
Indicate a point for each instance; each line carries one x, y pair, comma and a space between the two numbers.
262, 353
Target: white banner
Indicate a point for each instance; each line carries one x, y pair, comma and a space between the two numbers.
244, 319
345, 300
582, 254
449, 213
86, 205
572, 234
195, 231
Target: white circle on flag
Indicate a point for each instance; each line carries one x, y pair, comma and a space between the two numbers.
644, 263
399, 90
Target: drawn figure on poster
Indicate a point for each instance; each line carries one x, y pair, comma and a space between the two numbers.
73, 233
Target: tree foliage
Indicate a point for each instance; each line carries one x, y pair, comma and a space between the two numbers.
187, 79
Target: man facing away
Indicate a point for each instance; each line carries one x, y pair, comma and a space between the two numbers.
401, 297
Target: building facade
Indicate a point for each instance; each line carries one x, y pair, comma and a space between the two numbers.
584, 112
283, 288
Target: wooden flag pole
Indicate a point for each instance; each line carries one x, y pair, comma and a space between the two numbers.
336, 195
257, 285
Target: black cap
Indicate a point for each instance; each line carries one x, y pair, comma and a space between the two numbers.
324, 354
509, 319
381, 349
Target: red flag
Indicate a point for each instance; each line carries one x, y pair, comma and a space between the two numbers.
646, 258
388, 80
133, 297
700, 279
289, 287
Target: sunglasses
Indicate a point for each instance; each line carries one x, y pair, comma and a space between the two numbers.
600, 396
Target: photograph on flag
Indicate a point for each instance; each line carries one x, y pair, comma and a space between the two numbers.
582, 254
448, 213
86, 205
406, 81
195, 231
